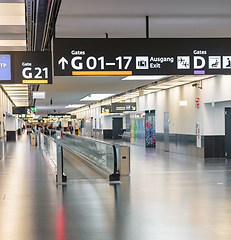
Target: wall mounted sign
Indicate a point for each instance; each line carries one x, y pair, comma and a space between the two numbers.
74, 57
25, 67
197, 102
198, 134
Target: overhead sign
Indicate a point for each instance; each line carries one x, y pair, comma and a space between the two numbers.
74, 57
106, 109
25, 67
122, 107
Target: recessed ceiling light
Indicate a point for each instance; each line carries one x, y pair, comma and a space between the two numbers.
145, 78
12, 43
39, 95
95, 97
74, 105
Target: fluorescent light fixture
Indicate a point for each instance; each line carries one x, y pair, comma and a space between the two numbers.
12, 43
39, 95
74, 105
17, 92
194, 78
183, 103
12, 20
50, 107
9, 9
95, 97
21, 98
145, 78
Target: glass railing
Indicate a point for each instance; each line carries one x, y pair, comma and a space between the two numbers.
101, 153
49, 146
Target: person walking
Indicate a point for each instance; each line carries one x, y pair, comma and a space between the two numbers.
71, 129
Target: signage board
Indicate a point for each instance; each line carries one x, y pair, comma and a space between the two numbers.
197, 102
19, 110
144, 56
25, 67
106, 109
31, 110
198, 133
122, 107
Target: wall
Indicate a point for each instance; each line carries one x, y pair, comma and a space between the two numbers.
182, 120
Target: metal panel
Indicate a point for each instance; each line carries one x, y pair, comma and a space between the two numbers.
166, 131
228, 132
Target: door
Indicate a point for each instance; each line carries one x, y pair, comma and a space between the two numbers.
117, 127
166, 131
228, 132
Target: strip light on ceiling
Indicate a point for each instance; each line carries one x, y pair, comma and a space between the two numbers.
12, 43
96, 97
39, 95
145, 78
74, 105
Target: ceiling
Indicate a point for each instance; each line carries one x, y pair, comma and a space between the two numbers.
124, 19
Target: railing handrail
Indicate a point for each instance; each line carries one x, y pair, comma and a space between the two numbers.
95, 140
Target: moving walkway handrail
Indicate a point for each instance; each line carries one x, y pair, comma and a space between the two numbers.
115, 176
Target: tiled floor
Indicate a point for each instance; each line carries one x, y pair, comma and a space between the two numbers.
167, 197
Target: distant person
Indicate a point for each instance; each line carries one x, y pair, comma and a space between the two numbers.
71, 129
59, 127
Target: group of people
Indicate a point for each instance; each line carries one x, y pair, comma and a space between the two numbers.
45, 128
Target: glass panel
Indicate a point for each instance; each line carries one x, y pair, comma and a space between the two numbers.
98, 152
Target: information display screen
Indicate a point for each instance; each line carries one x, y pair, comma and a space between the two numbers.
5, 67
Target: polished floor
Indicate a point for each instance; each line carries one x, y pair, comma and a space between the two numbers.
167, 197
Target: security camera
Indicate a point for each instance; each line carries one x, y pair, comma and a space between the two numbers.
194, 85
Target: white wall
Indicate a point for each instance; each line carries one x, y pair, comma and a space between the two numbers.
11, 124
5, 106
183, 119
107, 121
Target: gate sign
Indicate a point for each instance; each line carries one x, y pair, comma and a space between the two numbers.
25, 67
73, 57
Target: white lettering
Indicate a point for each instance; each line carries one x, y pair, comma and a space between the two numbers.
162, 59
24, 64
74, 52
199, 52
3, 65
199, 62
73, 63
24, 73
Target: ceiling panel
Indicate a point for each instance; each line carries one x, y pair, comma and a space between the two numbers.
126, 19
13, 38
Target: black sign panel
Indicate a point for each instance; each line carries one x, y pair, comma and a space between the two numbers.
122, 107
25, 67
19, 110
73, 57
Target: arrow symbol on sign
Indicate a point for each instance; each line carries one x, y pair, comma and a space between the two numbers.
63, 61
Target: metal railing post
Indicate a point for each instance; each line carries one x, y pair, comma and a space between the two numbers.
39, 138
115, 176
